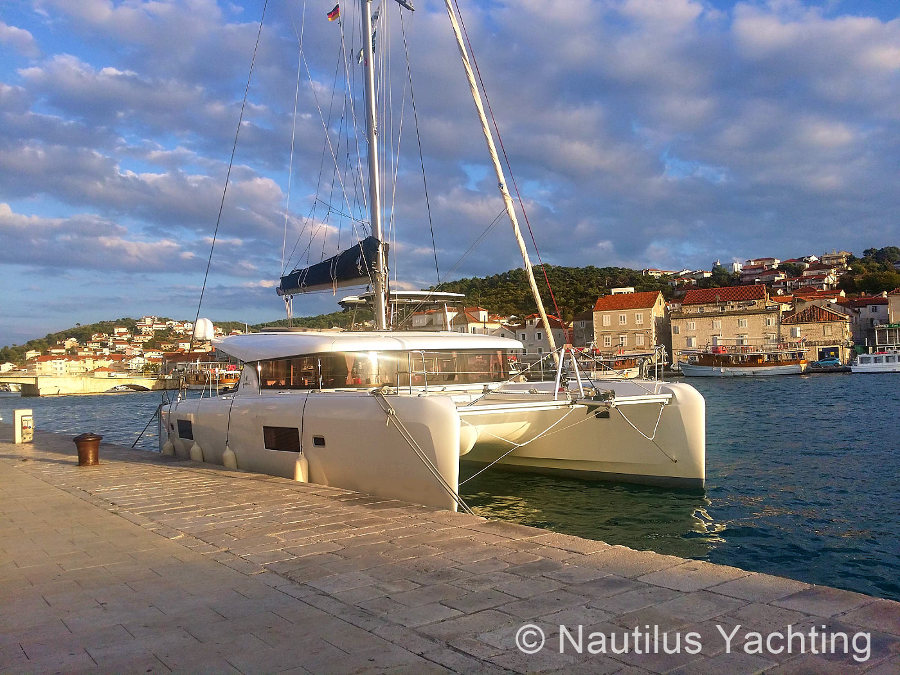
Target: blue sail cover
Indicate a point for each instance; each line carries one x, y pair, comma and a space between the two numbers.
352, 267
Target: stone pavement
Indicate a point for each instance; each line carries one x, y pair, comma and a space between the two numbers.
152, 564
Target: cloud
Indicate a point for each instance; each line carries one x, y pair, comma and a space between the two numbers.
19, 39
84, 242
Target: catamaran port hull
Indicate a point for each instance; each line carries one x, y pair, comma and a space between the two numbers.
348, 440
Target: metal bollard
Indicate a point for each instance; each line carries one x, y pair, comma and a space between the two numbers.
88, 449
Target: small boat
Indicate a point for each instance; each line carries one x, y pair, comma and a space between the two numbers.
743, 360
887, 361
619, 365
212, 375
830, 364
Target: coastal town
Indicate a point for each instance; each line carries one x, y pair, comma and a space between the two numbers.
806, 313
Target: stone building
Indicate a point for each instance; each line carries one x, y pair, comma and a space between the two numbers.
732, 315
630, 322
822, 332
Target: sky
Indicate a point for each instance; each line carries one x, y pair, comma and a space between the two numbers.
641, 133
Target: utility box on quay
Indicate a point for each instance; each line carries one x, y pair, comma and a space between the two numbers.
24, 426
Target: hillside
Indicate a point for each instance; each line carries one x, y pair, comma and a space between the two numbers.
576, 289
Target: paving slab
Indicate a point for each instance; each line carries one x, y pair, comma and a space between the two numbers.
147, 563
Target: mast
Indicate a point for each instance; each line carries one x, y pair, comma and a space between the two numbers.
378, 284
501, 180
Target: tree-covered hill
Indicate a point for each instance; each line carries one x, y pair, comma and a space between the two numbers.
576, 289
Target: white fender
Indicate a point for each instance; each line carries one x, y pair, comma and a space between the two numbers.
168, 448
301, 470
196, 452
229, 459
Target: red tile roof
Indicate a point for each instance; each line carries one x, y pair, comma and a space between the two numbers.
705, 296
643, 300
814, 314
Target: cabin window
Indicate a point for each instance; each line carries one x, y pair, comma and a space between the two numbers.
361, 370
185, 429
286, 439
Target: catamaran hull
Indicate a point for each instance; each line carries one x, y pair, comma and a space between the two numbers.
346, 439
651, 439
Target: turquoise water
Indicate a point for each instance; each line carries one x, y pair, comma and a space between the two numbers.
803, 479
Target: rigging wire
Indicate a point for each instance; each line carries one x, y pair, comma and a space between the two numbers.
230, 165
412, 97
287, 199
508, 166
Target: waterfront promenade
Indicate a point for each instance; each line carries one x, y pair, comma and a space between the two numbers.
152, 564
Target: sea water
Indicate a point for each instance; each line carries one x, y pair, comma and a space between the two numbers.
803, 479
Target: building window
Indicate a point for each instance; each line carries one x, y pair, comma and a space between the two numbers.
795, 331
692, 325
539, 336
606, 319
873, 309
639, 318
742, 323
639, 340
770, 321
676, 330
717, 324
691, 342
623, 319
522, 337
716, 340
607, 340
623, 340
742, 339
827, 329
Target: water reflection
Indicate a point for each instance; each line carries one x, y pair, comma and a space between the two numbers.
675, 522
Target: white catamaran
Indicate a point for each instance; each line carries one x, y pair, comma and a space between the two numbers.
394, 413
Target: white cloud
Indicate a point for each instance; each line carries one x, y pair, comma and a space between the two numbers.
19, 39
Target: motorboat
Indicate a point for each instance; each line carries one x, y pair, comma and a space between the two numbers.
885, 361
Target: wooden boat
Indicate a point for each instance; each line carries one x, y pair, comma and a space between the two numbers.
743, 360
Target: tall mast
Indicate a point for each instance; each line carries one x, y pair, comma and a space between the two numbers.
379, 283
501, 180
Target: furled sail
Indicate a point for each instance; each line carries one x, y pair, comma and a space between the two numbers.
352, 267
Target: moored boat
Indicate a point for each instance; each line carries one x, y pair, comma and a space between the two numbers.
393, 413
887, 361
743, 360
